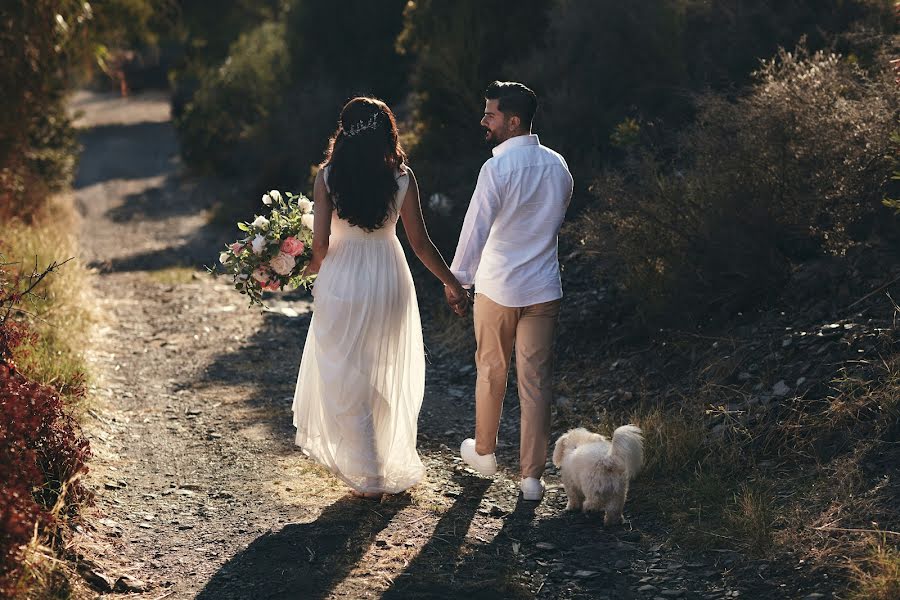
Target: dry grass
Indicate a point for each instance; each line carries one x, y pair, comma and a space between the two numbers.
877, 575
61, 314
45, 575
751, 515
62, 311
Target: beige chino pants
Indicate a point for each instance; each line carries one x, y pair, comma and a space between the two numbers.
532, 330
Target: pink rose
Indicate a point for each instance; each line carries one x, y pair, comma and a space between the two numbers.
292, 246
272, 286
236, 247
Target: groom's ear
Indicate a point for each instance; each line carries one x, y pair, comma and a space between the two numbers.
515, 122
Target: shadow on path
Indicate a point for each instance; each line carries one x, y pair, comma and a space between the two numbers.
177, 196
150, 147
196, 253
304, 560
433, 572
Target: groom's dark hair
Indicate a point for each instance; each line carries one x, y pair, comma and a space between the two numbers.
514, 99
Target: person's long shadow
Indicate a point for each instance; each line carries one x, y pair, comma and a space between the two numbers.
431, 573
305, 560
308, 560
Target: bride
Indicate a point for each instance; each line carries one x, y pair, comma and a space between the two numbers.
362, 375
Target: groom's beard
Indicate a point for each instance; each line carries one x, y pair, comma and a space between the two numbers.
491, 138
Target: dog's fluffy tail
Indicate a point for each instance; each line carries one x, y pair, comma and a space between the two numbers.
628, 446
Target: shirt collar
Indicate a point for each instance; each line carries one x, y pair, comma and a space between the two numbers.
515, 142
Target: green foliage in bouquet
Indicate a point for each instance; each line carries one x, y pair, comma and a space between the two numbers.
276, 250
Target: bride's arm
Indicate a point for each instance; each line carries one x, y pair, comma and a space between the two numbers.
321, 223
414, 224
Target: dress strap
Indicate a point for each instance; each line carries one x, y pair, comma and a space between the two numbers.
403, 180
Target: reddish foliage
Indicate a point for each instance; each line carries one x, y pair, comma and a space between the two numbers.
41, 448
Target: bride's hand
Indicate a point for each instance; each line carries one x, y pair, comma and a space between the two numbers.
312, 268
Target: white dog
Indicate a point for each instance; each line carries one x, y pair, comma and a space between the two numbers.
596, 472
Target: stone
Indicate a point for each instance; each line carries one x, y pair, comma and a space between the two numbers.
780, 389
127, 583
95, 577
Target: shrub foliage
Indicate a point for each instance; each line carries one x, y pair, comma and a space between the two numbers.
42, 451
795, 168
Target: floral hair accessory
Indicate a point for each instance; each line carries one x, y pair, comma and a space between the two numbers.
361, 126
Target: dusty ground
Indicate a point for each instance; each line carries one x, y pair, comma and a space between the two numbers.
201, 492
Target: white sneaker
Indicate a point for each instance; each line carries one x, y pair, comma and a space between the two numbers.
485, 464
532, 489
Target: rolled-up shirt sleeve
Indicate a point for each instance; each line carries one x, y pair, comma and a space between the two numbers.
480, 217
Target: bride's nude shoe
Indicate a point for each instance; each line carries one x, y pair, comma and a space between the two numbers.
486, 464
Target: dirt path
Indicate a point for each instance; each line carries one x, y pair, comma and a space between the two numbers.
201, 492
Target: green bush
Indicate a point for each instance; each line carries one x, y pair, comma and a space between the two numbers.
39, 42
796, 168
221, 125
457, 50
348, 44
603, 61
266, 112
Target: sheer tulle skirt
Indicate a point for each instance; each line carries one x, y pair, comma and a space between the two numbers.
362, 375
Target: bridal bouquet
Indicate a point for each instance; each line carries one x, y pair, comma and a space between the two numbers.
276, 249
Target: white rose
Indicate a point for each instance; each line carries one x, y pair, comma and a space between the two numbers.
306, 206
283, 263
223, 258
267, 200
258, 244
243, 277
260, 222
276, 195
307, 221
260, 274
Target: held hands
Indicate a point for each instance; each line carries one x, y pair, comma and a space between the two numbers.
457, 298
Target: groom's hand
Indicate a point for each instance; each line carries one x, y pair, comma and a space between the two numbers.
457, 298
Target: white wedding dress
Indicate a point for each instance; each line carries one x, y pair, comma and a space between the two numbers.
362, 375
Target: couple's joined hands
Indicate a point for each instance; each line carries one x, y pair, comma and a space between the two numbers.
457, 298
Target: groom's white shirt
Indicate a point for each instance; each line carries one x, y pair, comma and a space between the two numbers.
508, 245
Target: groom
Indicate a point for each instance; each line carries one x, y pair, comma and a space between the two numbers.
508, 250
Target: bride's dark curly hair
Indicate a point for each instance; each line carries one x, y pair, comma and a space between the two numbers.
364, 155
